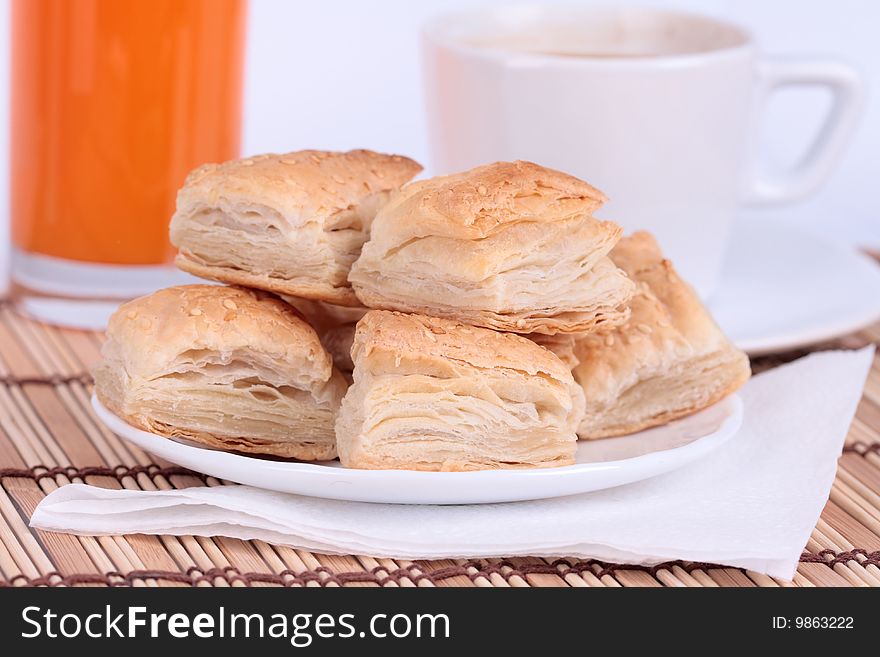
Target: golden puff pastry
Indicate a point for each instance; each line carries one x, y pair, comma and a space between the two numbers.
335, 326
434, 394
227, 367
291, 224
338, 341
561, 344
510, 246
323, 316
669, 360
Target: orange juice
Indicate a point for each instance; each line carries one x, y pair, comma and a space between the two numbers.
113, 102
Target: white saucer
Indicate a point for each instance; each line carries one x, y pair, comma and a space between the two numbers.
783, 288
600, 464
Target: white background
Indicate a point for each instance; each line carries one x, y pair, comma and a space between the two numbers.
338, 74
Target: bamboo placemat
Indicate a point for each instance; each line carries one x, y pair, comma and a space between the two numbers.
49, 437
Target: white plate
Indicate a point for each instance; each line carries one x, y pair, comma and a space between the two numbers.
600, 464
783, 288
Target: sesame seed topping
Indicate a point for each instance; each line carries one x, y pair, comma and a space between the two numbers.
644, 328
247, 163
520, 323
195, 312
228, 303
131, 314
482, 190
339, 179
609, 340
288, 161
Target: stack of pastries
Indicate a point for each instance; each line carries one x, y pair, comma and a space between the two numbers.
479, 320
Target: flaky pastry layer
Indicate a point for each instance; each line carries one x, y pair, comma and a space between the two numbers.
434, 394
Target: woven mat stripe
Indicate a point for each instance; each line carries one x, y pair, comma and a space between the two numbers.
55, 380
381, 577
120, 472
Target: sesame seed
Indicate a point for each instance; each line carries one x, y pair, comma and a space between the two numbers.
339, 179
609, 340
247, 163
288, 161
131, 314
520, 323
482, 190
195, 312
644, 328
228, 303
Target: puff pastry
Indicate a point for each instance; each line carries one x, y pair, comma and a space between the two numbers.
669, 360
227, 367
434, 394
291, 224
338, 342
335, 326
323, 316
510, 246
561, 344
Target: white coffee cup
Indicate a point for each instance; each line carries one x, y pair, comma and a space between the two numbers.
658, 109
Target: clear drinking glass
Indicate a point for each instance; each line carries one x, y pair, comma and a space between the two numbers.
113, 102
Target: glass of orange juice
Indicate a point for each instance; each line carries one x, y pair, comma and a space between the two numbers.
113, 102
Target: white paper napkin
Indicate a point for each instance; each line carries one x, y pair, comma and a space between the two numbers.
751, 504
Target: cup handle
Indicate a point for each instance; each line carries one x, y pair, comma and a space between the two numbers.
806, 175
